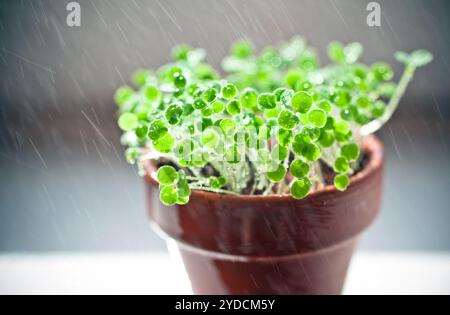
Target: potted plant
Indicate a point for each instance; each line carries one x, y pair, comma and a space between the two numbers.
267, 176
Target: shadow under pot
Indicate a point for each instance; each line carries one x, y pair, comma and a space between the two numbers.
272, 244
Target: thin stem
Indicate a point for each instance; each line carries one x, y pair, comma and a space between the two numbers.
196, 178
268, 189
319, 175
376, 124
281, 185
216, 190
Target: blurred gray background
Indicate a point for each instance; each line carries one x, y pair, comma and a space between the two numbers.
64, 185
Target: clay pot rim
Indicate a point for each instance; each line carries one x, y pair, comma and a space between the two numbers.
372, 146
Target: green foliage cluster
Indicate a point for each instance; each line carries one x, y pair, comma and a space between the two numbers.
271, 125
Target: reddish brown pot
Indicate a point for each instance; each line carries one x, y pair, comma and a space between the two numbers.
272, 244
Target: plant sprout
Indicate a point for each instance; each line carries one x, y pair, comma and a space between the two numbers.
275, 123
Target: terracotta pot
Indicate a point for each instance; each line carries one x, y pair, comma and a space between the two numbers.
272, 244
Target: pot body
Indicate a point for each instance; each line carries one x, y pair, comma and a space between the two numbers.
272, 244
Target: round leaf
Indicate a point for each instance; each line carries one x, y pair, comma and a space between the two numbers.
299, 168
301, 102
128, 122
341, 182
277, 175
168, 195
300, 188
166, 175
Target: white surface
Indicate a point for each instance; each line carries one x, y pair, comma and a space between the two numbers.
127, 273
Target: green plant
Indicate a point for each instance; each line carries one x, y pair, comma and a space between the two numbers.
276, 123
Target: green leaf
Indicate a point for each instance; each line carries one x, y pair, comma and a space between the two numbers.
227, 125
420, 58
402, 57
378, 109
309, 60
142, 132
382, 71
210, 95
278, 92
326, 139
325, 105
350, 151
184, 191
164, 144
175, 72
277, 175
199, 103
208, 111
140, 76
128, 122
417, 58
300, 188
181, 52
229, 91
363, 101
241, 49
311, 152
336, 52
217, 183
267, 101
179, 81
166, 175
152, 93
317, 117
168, 195
341, 182
284, 137
249, 99
310, 134
341, 165
157, 129
301, 102
287, 119
352, 52
342, 98
292, 77
173, 114
184, 148
286, 96
217, 107
299, 168
204, 123
279, 153
123, 94
342, 127
273, 112
210, 138
234, 107
298, 144
182, 200
233, 154
132, 154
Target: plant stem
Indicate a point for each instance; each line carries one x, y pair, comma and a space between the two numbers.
376, 124
282, 184
319, 175
196, 178
268, 189
216, 190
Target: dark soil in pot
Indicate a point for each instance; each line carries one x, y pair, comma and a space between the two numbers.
272, 244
